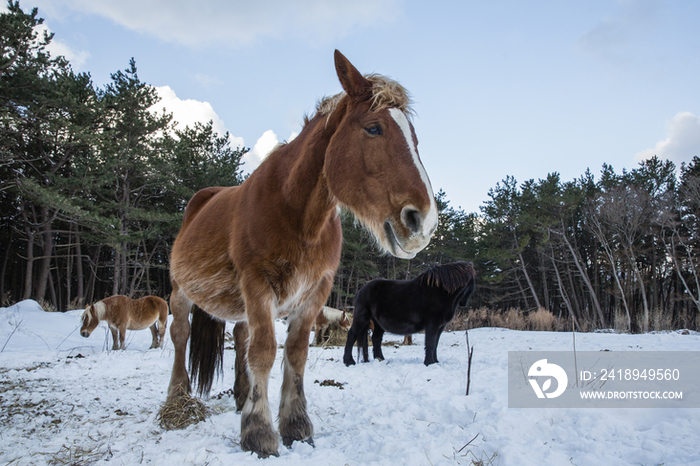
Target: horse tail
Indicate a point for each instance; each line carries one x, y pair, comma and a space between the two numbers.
207, 335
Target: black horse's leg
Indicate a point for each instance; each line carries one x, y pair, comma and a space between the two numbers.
360, 321
349, 343
377, 342
437, 341
362, 343
431, 339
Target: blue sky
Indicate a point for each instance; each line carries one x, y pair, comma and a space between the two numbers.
500, 88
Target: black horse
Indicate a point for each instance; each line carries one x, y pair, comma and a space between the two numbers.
427, 302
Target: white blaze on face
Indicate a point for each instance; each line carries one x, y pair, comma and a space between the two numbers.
431, 219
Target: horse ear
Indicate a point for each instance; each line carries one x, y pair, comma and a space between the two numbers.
354, 84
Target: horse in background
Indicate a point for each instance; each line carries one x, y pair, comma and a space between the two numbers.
271, 246
327, 317
122, 313
428, 302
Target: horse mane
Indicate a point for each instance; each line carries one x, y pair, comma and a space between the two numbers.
450, 277
100, 310
386, 93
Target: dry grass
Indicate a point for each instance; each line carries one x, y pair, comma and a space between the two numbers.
182, 413
47, 305
514, 319
336, 337
542, 320
76, 456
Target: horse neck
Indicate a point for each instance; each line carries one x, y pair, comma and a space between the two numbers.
100, 310
308, 203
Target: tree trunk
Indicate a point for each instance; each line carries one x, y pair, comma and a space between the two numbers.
79, 270
638, 275
29, 271
5, 259
585, 278
563, 294
529, 282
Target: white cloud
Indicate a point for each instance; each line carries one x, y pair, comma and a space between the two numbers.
188, 112
77, 59
262, 148
682, 143
57, 48
238, 22
614, 39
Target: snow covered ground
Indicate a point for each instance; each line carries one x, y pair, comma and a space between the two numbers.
69, 400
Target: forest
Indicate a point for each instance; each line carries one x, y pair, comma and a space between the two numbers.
93, 185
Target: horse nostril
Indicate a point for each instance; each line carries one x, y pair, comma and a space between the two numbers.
412, 219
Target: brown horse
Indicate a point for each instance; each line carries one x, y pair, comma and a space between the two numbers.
122, 313
271, 246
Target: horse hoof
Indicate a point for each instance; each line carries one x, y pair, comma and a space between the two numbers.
287, 441
257, 436
349, 362
255, 446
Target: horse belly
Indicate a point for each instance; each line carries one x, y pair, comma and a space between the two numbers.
217, 293
400, 327
138, 325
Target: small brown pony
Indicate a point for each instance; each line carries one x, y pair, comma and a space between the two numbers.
327, 317
271, 246
122, 313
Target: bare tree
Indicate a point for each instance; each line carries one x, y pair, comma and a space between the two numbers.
619, 217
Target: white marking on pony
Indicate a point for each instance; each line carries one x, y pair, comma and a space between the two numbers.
100, 310
331, 314
430, 221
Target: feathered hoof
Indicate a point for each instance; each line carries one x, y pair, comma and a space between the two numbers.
297, 428
287, 442
257, 436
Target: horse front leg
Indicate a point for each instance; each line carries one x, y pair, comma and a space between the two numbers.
294, 419
349, 343
432, 335
241, 385
437, 341
180, 306
257, 432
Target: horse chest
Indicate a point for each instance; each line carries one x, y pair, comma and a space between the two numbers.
291, 290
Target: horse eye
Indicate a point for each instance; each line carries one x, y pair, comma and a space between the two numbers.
374, 130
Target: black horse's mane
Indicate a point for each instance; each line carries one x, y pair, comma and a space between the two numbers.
450, 277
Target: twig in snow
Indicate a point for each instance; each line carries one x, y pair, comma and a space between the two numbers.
16, 324
470, 353
575, 363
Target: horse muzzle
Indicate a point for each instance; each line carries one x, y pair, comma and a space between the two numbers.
413, 233
85, 334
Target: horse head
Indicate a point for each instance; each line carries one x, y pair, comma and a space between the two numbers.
344, 321
372, 165
89, 321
